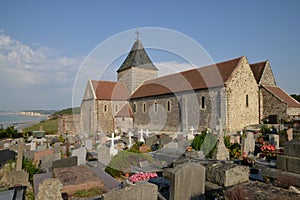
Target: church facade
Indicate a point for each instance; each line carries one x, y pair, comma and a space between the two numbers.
234, 93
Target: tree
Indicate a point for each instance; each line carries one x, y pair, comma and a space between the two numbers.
295, 96
205, 142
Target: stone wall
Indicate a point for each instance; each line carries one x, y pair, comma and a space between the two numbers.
124, 123
272, 105
106, 110
242, 86
69, 123
185, 110
267, 77
294, 112
135, 76
87, 113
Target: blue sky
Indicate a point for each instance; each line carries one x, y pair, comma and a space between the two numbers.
43, 43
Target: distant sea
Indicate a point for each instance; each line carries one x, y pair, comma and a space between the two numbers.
19, 121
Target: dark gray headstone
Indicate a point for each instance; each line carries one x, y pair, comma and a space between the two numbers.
65, 162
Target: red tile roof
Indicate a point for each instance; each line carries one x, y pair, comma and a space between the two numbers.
199, 78
107, 90
282, 95
258, 69
125, 111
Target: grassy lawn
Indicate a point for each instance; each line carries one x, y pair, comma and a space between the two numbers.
50, 126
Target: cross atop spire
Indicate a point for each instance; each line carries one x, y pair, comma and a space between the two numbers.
137, 34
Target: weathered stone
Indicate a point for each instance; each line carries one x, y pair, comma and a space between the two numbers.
81, 155
65, 162
50, 189
248, 144
292, 148
46, 161
221, 152
283, 178
144, 190
274, 139
227, 174
258, 191
19, 177
187, 181
103, 154
69, 123
77, 178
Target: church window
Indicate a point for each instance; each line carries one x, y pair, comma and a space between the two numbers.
247, 100
116, 108
144, 107
134, 107
168, 106
105, 108
202, 102
155, 107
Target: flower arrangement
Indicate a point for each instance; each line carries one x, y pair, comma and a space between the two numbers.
246, 160
267, 147
142, 176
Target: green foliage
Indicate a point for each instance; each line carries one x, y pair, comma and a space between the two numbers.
50, 126
205, 142
9, 132
135, 147
65, 111
227, 141
88, 193
295, 96
123, 160
264, 129
235, 150
30, 167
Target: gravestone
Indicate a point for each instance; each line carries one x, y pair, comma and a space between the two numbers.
171, 145
164, 139
191, 133
187, 181
290, 134
89, 144
227, 174
81, 155
50, 189
221, 152
103, 154
112, 150
141, 136
142, 190
291, 160
20, 155
274, 139
130, 140
19, 177
248, 144
57, 147
65, 162
47, 160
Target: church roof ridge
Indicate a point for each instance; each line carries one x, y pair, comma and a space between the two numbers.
193, 79
137, 57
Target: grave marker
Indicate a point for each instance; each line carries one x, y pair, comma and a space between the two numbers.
81, 155
248, 144
142, 137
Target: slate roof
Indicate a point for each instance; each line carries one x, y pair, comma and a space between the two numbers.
200, 78
283, 96
108, 90
125, 111
137, 57
258, 69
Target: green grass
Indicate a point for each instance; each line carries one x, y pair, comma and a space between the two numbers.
50, 126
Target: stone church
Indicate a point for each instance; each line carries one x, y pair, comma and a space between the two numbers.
228, 95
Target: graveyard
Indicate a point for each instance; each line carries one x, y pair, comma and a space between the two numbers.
145, 164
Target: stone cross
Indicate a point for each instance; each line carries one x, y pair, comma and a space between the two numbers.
130, 142
142, 138
112, 146
191, 135
147, 133
20, 154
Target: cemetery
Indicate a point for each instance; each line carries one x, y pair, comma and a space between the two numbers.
150, 165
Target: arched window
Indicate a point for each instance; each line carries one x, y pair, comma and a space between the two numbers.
203, 102
155, 107
168, 106
247, 100
105, 108
144, 107
134, 107
116, 108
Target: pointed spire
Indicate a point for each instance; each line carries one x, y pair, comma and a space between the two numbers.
137, 57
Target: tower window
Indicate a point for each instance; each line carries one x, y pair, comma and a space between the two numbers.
203, 102
155, 107
144, 107
105, 108
168, 106
134, 107
247, 100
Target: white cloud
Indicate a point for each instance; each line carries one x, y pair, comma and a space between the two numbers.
26, 68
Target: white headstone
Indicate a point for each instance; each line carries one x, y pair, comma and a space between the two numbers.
191, 134
81, 155
274, 139
142, 137
32, 145
130, 142
112, 149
